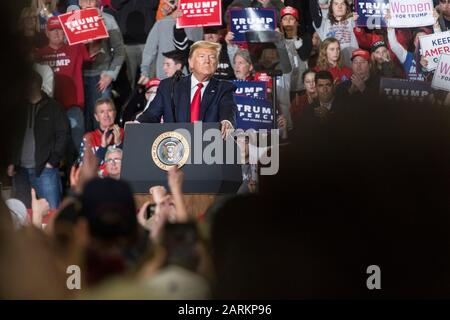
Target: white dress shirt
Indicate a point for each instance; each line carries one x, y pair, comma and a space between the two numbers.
194, 83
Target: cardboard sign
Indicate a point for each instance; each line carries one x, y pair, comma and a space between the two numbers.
251, 19
403, 89
411, 13
83, 25
253, 113
254, 89
262, 76
371, 13
432, 46
441, 78
199, 13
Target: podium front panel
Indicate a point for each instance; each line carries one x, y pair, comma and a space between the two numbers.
140, 170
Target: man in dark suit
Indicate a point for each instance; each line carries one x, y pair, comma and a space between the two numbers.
197, 97
363, 83
322, 110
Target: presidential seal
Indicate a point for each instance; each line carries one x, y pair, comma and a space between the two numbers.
170, 149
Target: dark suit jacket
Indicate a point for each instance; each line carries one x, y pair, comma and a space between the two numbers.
51, 134
217, 103
372, 89
310, 119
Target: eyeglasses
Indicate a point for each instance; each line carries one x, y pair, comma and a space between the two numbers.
445, 1
115, 160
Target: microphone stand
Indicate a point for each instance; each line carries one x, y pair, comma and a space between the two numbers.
175, 79
274, 74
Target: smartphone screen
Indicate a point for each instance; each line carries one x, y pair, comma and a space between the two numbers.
150, 211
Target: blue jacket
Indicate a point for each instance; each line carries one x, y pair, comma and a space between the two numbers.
217, 102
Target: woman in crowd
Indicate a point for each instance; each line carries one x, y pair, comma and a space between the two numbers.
29, 29
330, 59
337, 22
314, 55
44, 9
413, 63
308, 96
383, 63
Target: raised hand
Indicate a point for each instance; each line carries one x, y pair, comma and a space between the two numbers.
106, 141
104, 82
117, 137
143, 80
39, 207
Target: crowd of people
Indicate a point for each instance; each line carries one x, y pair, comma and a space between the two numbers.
357, 171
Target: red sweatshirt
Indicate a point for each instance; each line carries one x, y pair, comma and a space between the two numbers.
67, 63
339, 74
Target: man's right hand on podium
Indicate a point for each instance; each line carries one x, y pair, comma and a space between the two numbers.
131, 122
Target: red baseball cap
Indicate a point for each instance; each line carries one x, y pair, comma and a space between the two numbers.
361, 53
289, 10
154, 82
53, 23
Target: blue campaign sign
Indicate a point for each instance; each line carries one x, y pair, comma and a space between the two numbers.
404, 89
253, 113
251, 19
255, 89
371, 13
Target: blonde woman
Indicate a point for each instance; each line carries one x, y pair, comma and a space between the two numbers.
330, 59
29, 29
44, 10
28, 21
308, 96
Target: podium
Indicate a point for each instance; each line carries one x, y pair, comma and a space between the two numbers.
150, 147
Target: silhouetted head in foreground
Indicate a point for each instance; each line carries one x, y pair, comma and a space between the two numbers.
16, 254
369, 188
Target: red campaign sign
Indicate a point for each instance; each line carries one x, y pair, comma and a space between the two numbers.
199, 13
262, 76
83, 25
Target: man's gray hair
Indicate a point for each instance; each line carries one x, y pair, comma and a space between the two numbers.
112, 149
244, 54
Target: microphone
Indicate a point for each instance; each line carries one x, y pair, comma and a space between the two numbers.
177, 75
72, 8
